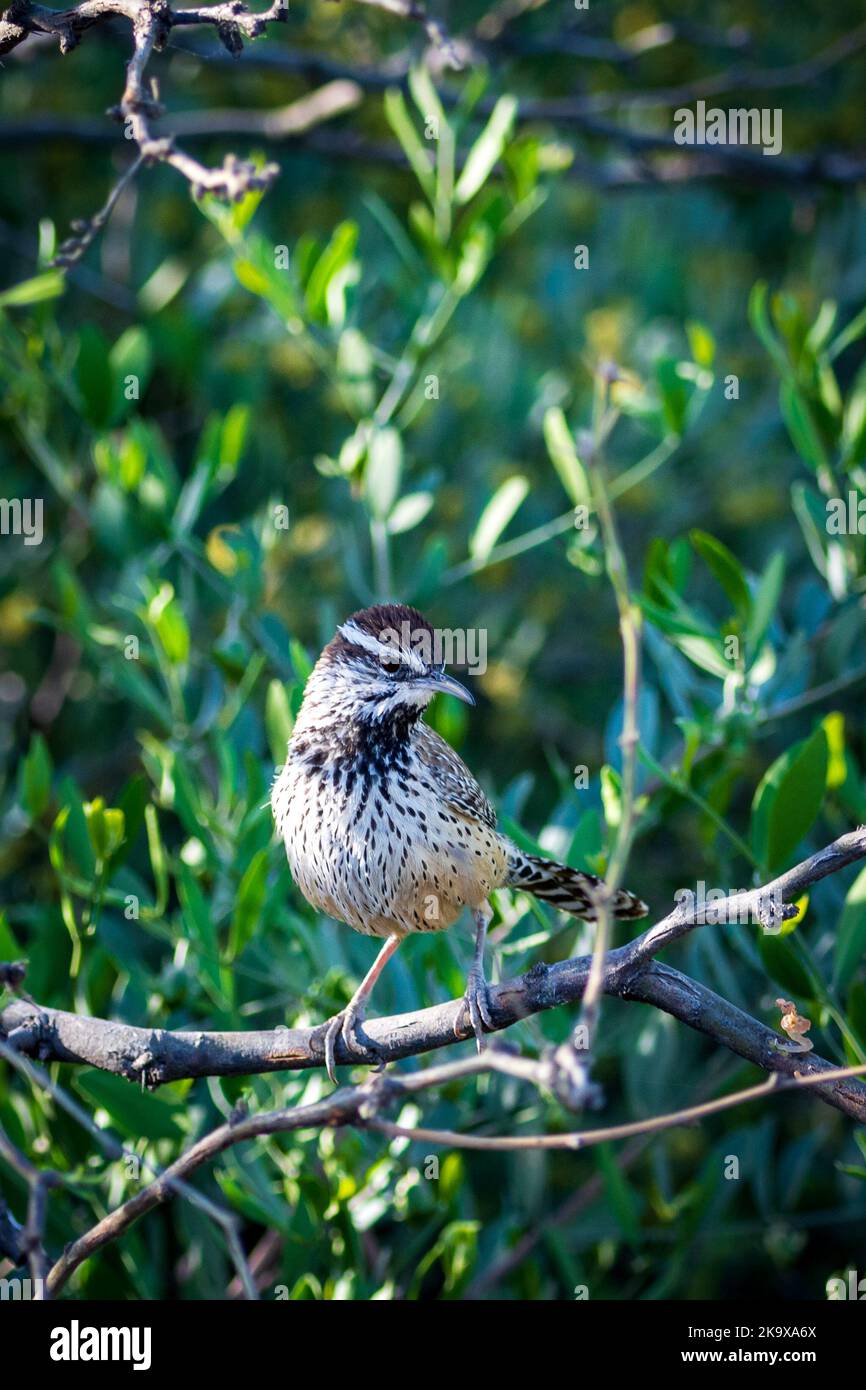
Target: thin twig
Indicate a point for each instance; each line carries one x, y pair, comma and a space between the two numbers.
226, 1220
752, 904
359, 1106
152, 22
629, 625
30, 1238
590, 1138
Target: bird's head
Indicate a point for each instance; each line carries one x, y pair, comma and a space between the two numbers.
383, 666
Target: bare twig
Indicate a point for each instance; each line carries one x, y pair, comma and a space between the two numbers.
739, 78
629, 626
629, 973
114, 1150
152, 22
753, 904
10, 1234
28, 1240
232, 20
649, 158
360, 1105
589, 1138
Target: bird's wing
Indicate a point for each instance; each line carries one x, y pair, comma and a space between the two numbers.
452, 778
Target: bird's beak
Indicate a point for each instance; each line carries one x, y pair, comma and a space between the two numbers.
447, 685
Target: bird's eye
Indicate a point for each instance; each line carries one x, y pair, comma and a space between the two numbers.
391, 667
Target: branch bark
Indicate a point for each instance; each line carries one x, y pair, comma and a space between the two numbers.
152, 22
154, 1056
360, 1106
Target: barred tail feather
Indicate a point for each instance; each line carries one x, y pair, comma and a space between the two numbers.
567, 889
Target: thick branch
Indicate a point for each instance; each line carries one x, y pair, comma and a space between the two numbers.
154, 1056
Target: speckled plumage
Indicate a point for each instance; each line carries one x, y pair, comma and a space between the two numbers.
385, 827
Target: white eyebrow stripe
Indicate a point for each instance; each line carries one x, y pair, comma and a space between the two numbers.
383, 651
359, 638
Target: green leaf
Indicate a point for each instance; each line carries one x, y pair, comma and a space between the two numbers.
35, 291
759, 318
811, 513
851, 934
106, 828
9, 948
854, 422
487, 150
409, 511
413, 146
455, 1251
702, 343
93, 376
564, 457
136, 1113
611, 796
333, 271
383, 471
853, 330
783, 965
496, 515
279, 721
726, 568
249, 902
69, 831
199, 928
131, 356
165, 616
819, 333
158, 861
705, 653
788, 800
621, 1196
232, 441
857, 1022
355, 369
676, 392
300, 661
797, 414
765, 601
36, 778
425, 96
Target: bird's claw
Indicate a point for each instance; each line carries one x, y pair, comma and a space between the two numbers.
347, 1024
477, 1001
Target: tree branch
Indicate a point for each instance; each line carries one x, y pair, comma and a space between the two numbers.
154, 1056
630, 973
27, 1242
152, 22
757, 904
22, 1239
360, 1106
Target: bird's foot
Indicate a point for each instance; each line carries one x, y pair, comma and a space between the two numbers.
477, 1000
347, 1024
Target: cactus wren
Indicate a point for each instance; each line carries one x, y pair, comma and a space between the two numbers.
385, 828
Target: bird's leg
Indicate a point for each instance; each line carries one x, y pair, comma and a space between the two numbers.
347, 1023
476, 995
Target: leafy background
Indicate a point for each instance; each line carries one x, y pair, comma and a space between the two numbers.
287, 459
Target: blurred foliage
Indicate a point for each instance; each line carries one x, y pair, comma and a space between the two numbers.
247, 421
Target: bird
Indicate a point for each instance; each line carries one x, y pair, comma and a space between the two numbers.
384, 826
